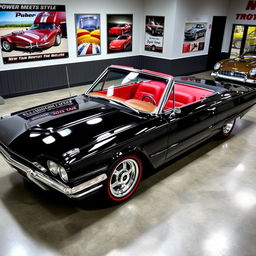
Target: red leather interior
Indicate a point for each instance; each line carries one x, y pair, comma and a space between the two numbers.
184, 94
154, 89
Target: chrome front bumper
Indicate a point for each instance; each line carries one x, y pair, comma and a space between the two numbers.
45, 182
237, 79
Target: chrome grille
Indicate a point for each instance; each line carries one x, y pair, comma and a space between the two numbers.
232, 73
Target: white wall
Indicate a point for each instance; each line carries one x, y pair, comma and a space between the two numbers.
235, 6
103, 7
176, 12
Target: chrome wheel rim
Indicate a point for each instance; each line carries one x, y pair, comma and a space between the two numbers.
228, 127
6, 45
58, 39
124, 178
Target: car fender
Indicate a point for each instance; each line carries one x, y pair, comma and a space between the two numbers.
131, 150
8, 39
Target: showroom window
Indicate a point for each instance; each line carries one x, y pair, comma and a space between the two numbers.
243, 39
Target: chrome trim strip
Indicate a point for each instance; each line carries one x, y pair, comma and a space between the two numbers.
44, 181
243, 80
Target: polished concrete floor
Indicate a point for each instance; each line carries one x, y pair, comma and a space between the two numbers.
204, 203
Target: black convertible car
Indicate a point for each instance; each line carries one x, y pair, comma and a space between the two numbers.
128, 118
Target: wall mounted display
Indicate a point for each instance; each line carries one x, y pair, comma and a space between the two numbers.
194, 36
154, 36
119, 30
87, 34
32, 32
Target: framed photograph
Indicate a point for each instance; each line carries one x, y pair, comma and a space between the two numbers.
33, 32
119, 33
87, 34
154, 33
194, 36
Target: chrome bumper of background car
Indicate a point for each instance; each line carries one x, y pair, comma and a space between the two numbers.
238, 79
44, 181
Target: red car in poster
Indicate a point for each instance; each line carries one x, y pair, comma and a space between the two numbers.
119, 29
120, 43
44, 33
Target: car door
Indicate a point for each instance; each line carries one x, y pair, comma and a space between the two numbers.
191, 126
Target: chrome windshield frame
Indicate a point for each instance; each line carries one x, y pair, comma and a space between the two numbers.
164, 97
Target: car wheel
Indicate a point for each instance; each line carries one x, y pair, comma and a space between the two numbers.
237, 44
57, 40
124, 178
7, 46
227, 128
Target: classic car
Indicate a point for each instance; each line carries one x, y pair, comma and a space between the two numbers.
119, 29
120, 43
43, 33
129, 118
154, 28
240, 69
195, 32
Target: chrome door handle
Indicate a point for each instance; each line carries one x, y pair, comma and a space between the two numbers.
211, 109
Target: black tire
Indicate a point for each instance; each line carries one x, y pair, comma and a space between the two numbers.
6, 46
57, 40
123, 179
227, 128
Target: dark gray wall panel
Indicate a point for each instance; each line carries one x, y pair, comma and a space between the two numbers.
32, 80
176, 67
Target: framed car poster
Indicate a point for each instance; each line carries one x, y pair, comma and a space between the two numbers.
194, 36
32, 32
154, 33
87, 34
119, 31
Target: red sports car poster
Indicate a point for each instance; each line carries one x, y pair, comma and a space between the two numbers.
87, 34
154, 36
119, 30
194, 36
30, 32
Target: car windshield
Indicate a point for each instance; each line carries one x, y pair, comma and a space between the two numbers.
42, 26
198, 26
130, 90
122, 37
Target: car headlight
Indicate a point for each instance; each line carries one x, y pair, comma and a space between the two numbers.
63, 174
45, 37
53, 167
252, 72
217, 66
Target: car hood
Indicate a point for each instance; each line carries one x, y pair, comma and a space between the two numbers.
191, 30
58, 127
242, 64
31, 35
116, 28
117, 42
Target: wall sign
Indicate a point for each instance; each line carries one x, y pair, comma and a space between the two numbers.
119, 30
33, 32
154, 33
87, 34
251, 5
194, 37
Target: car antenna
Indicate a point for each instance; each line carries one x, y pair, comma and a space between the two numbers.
68, 81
